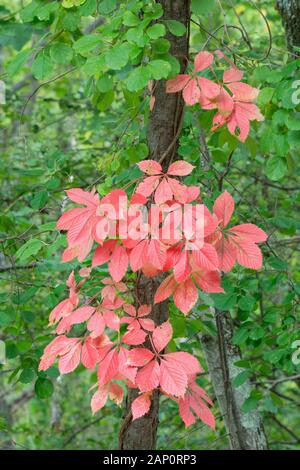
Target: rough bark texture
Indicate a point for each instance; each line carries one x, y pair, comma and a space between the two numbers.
245, 430
163, 132
290, 14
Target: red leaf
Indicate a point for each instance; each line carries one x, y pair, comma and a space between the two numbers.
155, 255
144, 310
163, 192
207, 257
102, 253
71, 360
139, 357
223, 208
248, 255
184, 410
186, 296
118, 263
147, 186
232, 75
83, 197
177, 84
108, 368
112, 320
116, 393
173, 379
162, 335
191, 93
182, 268
147, 378
82, 314
208, 281
140, 406
89, 354
249, 232
150, 167
185, 361
96, 325
99, 399
166, 289
134, 337
138, 255
203, 60
180, 168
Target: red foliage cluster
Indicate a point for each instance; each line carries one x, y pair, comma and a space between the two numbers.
194, 260
232, 98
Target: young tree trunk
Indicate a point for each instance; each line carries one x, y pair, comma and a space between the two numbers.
164, 128
290, 14
245, 430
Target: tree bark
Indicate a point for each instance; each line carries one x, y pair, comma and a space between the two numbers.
245, 430
163, 132
290, 14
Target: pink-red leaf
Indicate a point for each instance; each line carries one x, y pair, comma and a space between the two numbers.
173, 379
180, 168
185, 296
140, 406
162, 335
147, 378
118, 263
139, 357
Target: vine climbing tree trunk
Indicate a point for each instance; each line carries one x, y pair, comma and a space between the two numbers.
290, 14
164, 128
245, 430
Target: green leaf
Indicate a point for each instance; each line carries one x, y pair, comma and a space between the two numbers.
176, 28
41, 66
276, 168
88, 8
17, 63
250, 404
105, 83
224, 301
161, 46
43, 388
247, 303
28, 13
129, 19
240, 335
257, 332
202, 7
94, 65
159, 69
241, 378
27, 376
265, 96
87, 43
39, 200
156, 31
61, 53
43, 13
32, 247
138, 78
107, 6
117, 57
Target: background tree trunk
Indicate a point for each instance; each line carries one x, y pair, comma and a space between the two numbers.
164, 128
245, 430
290, 14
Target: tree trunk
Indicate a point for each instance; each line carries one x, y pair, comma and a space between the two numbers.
290, 14
245, 430
163, 133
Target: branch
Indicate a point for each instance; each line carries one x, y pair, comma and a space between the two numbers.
12, 268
